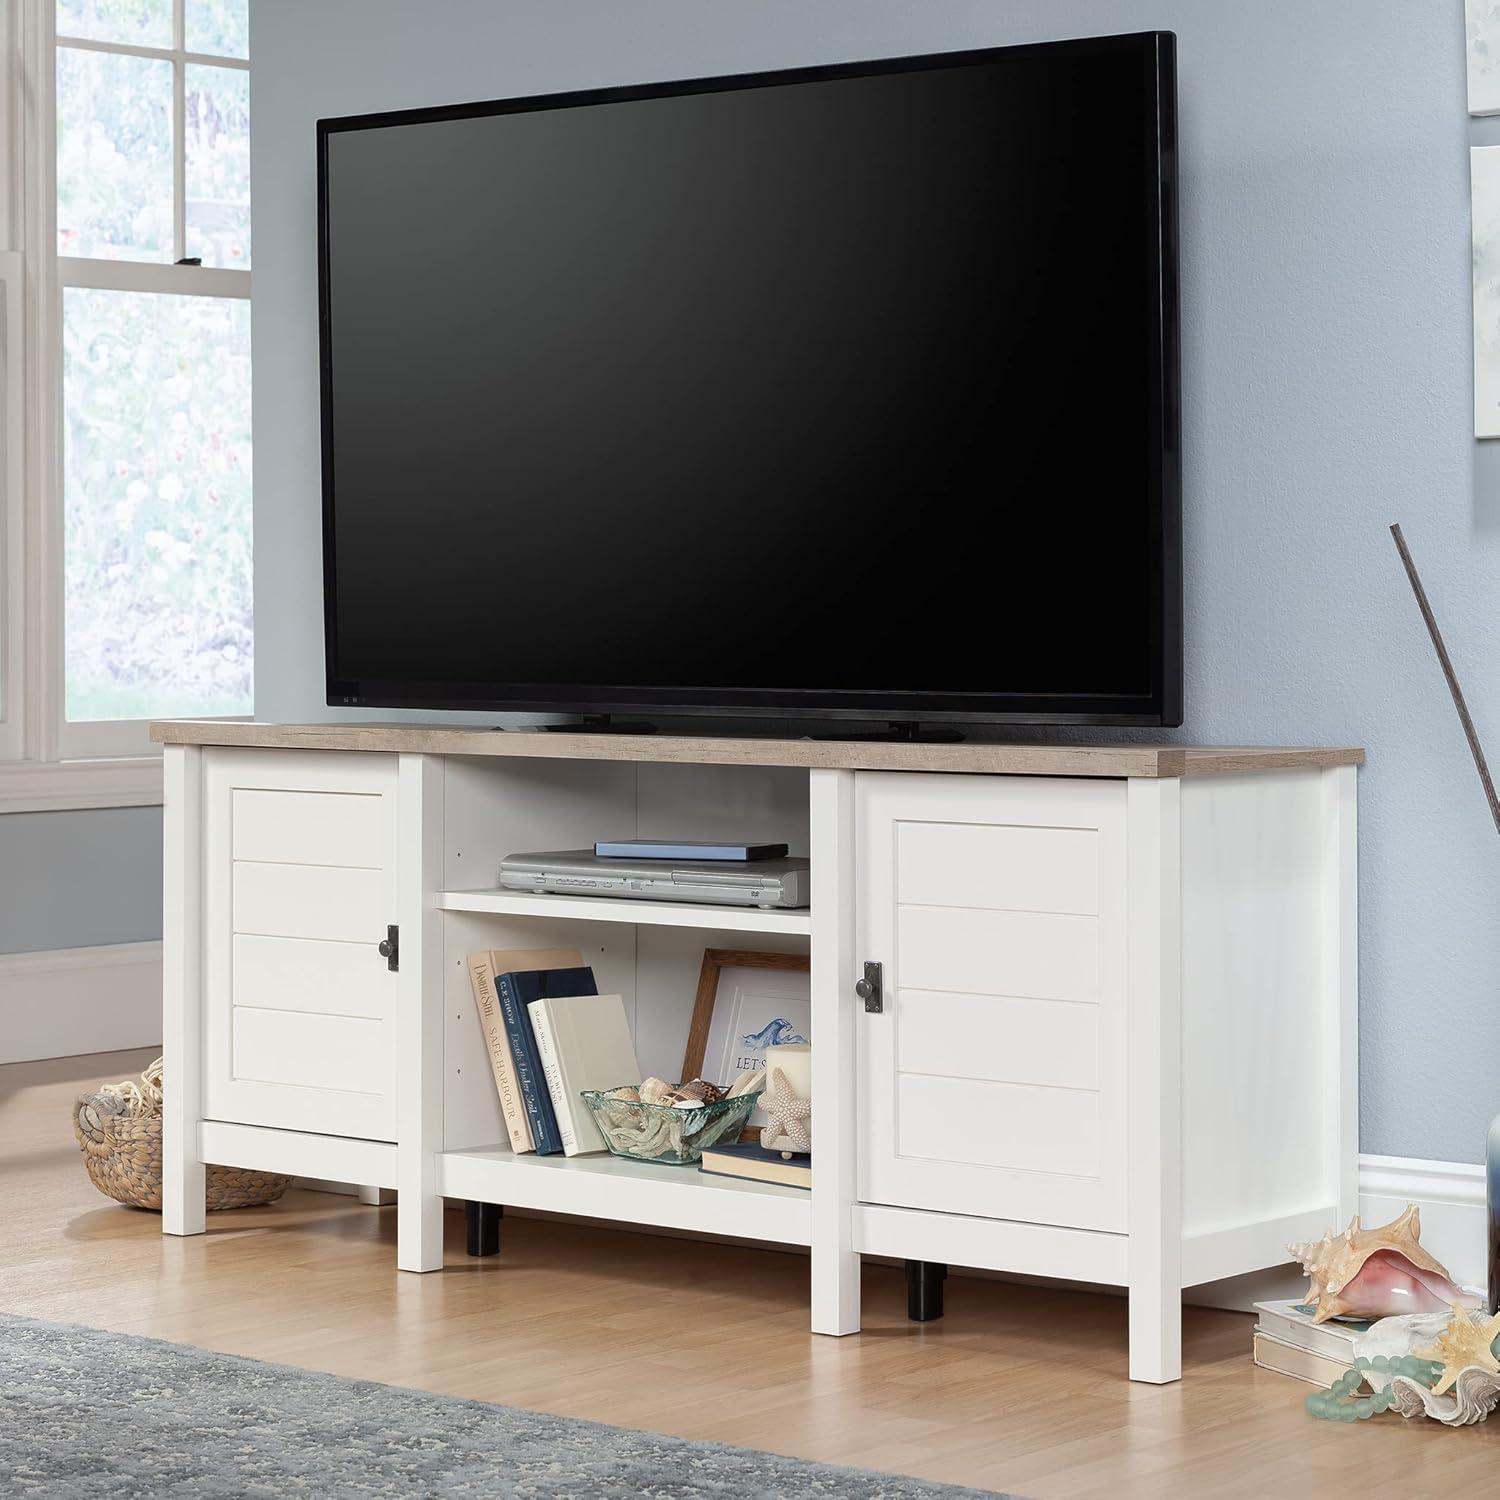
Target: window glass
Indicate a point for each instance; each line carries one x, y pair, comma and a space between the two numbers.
156, 505
114, 155
220, 28
142, 23
216, 116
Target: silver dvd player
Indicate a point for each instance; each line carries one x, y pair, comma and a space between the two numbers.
581, 872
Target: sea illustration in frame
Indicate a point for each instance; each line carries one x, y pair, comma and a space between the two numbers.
755, 1008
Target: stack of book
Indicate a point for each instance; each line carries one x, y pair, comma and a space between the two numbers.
550, 1035
752, 1162
1289, 1342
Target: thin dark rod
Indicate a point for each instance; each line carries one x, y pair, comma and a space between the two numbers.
1470, 733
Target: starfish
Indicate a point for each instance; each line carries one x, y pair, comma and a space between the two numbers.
788, 1115
1461, 1344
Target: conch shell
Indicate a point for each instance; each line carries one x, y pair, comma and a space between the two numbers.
1376, 1273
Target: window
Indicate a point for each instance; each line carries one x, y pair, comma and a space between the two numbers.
136, 541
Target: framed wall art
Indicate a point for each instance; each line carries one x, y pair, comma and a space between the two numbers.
746, 1001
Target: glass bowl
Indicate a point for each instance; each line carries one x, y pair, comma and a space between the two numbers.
665, 1132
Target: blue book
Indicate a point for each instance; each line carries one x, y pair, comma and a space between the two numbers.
718, 849
516, 991
751, 1160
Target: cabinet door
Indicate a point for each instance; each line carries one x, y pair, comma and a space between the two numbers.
299, 884
993, 1083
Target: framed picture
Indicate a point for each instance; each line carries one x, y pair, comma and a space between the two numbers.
746, 1002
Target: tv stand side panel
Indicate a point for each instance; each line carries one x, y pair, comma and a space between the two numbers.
835, 1261
183, 1176
1269, 1015
419, 1018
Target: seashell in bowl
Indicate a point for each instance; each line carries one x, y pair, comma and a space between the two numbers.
671, 1133
747, 1083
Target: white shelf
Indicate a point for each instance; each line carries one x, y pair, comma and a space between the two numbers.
609, 1187
638, 913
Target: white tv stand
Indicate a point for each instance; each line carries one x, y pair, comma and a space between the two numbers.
1117, 1043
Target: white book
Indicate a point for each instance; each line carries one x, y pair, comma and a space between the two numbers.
1290, 1324
1300, 1364
584, 1043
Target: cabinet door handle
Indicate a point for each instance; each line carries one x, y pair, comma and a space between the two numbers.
870, 989
390, 948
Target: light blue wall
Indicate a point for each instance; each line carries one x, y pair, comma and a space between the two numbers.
77, 879
1327, 392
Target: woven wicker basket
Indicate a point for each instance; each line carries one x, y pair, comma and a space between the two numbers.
119, 1131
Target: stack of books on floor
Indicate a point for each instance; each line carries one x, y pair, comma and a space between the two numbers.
550, 1035
1289, 1342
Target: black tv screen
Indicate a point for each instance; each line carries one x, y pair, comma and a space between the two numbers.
848, 391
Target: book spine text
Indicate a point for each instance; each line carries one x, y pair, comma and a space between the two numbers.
546, 1051
492, 1026
528, 1068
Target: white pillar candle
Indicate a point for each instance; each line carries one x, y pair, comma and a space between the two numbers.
795, 1061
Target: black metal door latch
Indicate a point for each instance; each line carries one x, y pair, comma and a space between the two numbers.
390, 948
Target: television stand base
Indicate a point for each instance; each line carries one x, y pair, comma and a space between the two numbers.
897, 733
603, 724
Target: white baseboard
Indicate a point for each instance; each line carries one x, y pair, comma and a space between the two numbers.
71, 1001
1450, 1195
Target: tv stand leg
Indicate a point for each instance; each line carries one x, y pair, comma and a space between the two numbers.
484, 1227
924, 1290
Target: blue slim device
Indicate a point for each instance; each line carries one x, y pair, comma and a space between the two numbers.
665, 849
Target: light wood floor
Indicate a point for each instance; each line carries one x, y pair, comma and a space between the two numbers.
1018, 1388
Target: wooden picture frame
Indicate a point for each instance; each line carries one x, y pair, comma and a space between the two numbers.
714, 961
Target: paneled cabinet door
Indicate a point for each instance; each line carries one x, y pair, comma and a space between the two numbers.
299, 886
992, 1081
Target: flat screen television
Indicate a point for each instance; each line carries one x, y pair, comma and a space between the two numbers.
848, 392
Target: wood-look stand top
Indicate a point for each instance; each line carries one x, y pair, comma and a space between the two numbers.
977, 757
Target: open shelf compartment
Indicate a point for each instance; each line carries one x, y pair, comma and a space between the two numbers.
650, 953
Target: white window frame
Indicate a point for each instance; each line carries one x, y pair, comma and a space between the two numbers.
44, 759
12, 501
12, 401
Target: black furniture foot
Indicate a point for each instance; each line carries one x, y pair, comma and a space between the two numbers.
484, 1227
924, 1290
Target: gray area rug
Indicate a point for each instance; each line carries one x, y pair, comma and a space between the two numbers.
88, 1413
